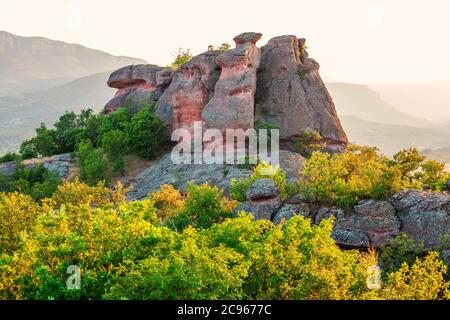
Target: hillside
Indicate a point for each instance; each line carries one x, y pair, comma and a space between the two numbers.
22, 114
429, 100
362, 102
391, 138
36, 63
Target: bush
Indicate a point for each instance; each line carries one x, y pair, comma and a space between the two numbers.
113, 143
145, 133
398, 251
91, 163
124, 252
37, 182
424, 280
239, 188
344, 179
204, 206
10, 156
182, 57
308, 142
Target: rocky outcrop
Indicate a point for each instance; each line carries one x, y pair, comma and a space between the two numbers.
278, 84
287, 211
189, 91
292, 95
263, 199
134, 82
62, 165
232, 106
179, 175
370, 223
424, 216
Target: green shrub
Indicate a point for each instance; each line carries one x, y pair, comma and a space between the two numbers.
113, 143
344, 179
239, 188
182, 57
37, 182
145, 133
10, 156
203, 207
308, 142
91, 162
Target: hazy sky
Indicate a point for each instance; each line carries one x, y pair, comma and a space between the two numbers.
354, 40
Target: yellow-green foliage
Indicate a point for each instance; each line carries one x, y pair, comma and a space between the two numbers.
344, 179
127, 250
424, 280
263, 170
362, 172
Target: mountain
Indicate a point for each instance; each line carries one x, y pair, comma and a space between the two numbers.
366, 104
442, 154
36, 63
23, 113
428, 100
391, 138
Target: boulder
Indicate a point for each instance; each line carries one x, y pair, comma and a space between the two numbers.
291, 94
370, 223
263, 199
189, 91
232, 106
287, 211
179, 175
137, 82
62, 165
262, 189
424, 216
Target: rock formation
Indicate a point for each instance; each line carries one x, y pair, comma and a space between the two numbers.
278, 84
190, 90
263, 199
63, 165
135, 82
291, 94
232, 106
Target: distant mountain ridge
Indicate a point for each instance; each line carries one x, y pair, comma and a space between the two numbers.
363, 102
37, 63
21, 114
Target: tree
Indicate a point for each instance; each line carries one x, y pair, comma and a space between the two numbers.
113, 143
45, 142
408, 161
145, 133
91, 163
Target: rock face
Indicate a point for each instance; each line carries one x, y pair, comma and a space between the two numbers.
278, 84
61, 164
287, 211
232, 106
179, 175
292, 95
263, 199
425, 216
190, 90
166, 172
370, 223
135, 82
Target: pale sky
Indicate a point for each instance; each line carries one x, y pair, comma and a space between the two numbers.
362, 41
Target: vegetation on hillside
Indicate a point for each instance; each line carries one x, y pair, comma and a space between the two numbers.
100, 142
133, 250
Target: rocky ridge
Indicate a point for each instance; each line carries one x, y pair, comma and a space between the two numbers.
239, 89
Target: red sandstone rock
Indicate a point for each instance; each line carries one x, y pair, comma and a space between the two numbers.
190, 90
135, 81
291, 94
232, 106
